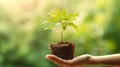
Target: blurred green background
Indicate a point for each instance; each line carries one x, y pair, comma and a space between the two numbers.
24, 42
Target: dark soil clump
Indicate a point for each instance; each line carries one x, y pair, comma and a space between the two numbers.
64, 50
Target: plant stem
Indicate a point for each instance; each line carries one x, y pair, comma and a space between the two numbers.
62, 36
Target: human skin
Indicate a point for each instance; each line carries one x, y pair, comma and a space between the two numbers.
112, 60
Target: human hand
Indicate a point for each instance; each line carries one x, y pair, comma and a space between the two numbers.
75, 62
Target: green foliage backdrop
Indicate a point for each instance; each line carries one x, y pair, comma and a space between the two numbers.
25, 42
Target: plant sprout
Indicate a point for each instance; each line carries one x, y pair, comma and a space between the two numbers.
61, 18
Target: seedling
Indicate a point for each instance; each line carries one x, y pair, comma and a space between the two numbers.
60, 20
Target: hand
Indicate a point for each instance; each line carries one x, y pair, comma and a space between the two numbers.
75, 62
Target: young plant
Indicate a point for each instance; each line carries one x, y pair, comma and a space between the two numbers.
62, 19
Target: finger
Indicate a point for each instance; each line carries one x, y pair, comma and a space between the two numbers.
56, 60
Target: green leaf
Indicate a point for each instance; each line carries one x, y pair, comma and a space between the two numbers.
49, 27
72, 16
64, 27
63, 12
54, 16
74, 26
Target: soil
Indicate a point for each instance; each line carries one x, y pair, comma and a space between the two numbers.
64, 50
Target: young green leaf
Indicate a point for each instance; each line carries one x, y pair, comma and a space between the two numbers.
63, 12
49, 27
74, 26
